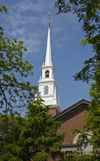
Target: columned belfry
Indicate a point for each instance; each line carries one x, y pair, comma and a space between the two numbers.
47, 83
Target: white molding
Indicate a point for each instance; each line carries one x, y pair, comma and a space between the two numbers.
64, 149
77, 136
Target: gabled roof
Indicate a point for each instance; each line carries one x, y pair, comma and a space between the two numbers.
71, 108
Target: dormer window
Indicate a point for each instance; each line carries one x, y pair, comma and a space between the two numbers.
45, 89
47, 74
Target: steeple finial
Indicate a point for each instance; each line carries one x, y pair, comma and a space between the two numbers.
49, 19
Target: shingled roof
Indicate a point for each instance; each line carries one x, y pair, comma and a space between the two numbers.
70, 108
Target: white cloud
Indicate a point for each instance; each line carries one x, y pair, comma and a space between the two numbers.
30, 20
28, 5
16, 32
27, 20
56, 29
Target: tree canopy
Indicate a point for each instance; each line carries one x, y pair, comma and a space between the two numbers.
33, 137
15, 92
87, 11
92, 120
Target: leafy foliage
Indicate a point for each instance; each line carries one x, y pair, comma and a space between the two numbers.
42, 156
9, 147
92, 120
87, 11
41, 132
14, 91
3, 8
33, 137
84, 157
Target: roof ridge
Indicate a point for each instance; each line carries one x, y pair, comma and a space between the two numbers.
71, 107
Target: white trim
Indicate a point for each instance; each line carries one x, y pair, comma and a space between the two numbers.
64, 149
77, 136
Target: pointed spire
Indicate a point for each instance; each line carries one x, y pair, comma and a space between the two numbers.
48, 61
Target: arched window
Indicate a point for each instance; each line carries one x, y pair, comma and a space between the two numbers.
89, 147
45, 89
47, 74
83, 150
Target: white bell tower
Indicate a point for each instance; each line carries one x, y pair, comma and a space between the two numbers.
47, 83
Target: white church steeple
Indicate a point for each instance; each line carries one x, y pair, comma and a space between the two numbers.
48, 61
47, 83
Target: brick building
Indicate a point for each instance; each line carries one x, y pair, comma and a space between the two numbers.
72, 117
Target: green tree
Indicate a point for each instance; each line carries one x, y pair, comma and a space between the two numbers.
9, 146
87, 11
33, 137
15, 92
41, 133
92, 120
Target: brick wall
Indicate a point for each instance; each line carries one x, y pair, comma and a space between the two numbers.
53, 111
72, 120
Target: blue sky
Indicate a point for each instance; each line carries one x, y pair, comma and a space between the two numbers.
27, 20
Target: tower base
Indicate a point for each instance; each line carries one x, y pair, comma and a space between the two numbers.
54, 110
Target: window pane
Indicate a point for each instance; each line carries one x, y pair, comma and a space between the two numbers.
46, 90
